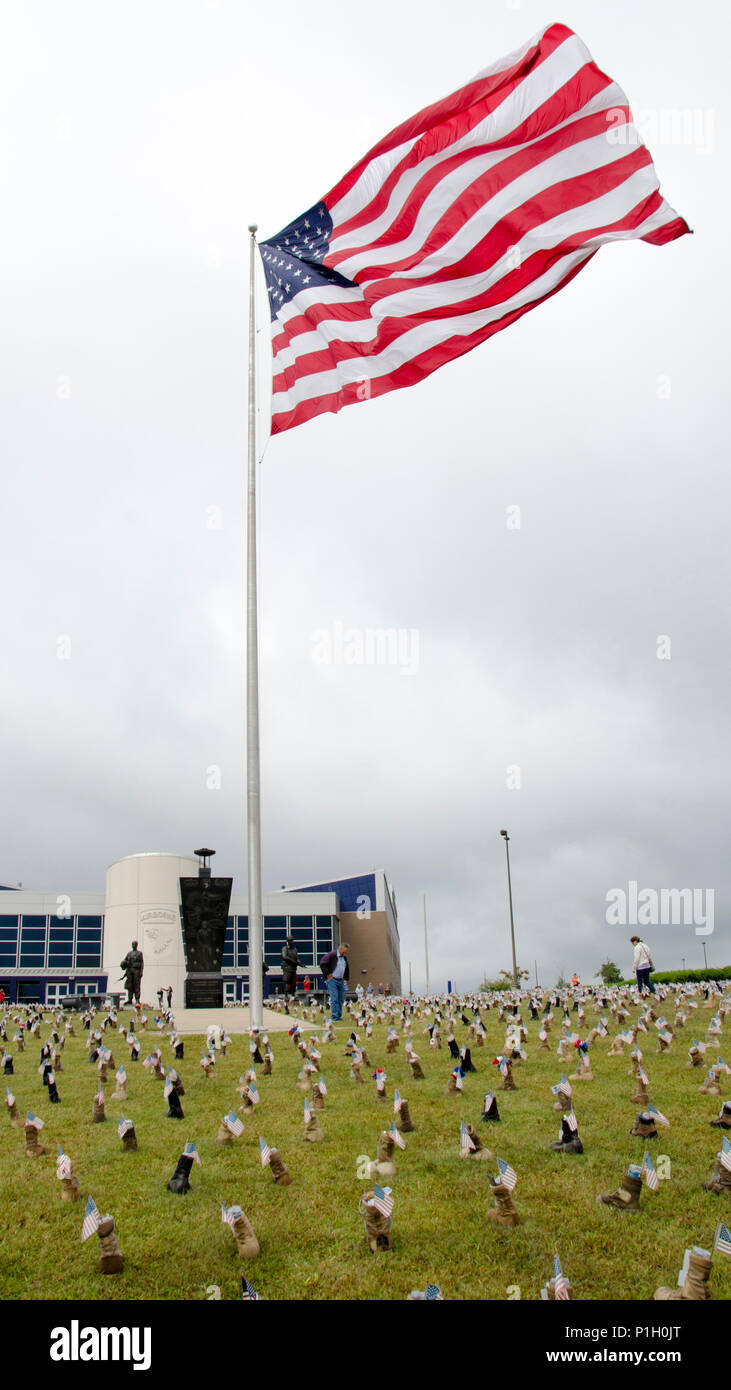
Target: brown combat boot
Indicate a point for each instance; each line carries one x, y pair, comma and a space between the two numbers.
129, 1141
644, 1126
313, 1129
695, 1286
478, 1151
32, 1147
720, 1179
247, 1244
506, 1212
384, 1166
279, 1172
403, 1119
377, 1226
627, 1195
416, 1071
111, 1259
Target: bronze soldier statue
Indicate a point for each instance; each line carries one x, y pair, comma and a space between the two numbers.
133, 966
290, 961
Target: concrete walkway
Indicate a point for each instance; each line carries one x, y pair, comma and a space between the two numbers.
236, 1020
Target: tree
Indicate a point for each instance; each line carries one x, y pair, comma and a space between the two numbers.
505, 981
609, 972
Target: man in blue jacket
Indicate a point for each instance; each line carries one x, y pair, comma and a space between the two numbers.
334, 966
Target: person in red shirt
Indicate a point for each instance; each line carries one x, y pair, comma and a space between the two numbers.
306, 984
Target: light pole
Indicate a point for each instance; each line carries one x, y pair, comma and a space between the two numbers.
705, 957
506, 838
409, 977
426, 948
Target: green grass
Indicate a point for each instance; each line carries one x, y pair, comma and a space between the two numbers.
311, 1234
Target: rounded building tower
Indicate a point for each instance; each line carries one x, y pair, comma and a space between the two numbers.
143, 905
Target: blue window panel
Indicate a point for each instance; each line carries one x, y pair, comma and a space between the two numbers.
273, 955
7, 958
228, 956
33, 934
349, 890
86, 962
324, 924
276, 924
38, 922
57, 959
90, 922
300, 924
92, 934
242, 923
8, 933
8, 921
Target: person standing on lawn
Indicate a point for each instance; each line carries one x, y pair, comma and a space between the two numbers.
642, 965
334, 966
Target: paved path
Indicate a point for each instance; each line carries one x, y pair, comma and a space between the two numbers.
233, 1020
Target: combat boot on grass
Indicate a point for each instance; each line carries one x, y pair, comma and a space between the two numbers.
111, 1259
417, 1073
695, 1286
70, 1189
478, 1150
569, 1142
129, 1141
279, 1172
505, 1212
247, 1244
644, 1126
723, 1121
175, 1111
377, 1226
313, 1129
627, 1195
33, 1148
179, 1181
384, 1166
404, 1121
720, 1181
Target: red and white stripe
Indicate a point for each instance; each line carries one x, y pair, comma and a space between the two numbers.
461, 220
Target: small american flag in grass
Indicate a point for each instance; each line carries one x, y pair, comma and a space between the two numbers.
658, 1116
506, 1175
248, 1292
465, 1142
722, 1239
382, 1200
190, 1151
265, 1152
91, 1219
560, 1282
650, 1173
124, 1126
233, 1123
397, 1138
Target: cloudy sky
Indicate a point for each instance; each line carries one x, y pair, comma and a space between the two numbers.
138, 141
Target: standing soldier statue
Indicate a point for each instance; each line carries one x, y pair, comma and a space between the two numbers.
133, 966
290, 961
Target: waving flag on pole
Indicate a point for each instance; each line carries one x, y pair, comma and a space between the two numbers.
658, 1116
265, 1152
456, 224
506, 1175
63, 1167
382, 1200
191, 1151
722, 1240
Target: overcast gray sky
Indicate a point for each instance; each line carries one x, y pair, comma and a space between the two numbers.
137, 142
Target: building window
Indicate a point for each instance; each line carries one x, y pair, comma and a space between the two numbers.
242, 941
60, 946
8, 942
275, 936
32, 943
88, 942
301, 929
228, 946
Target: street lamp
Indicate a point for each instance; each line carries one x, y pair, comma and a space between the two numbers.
506, 838
705, 957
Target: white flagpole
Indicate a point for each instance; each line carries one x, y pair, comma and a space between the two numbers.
426, 948
253, 806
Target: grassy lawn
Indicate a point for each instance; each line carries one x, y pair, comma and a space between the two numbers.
311, 1235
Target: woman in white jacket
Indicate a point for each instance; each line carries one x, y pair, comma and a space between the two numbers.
642, 965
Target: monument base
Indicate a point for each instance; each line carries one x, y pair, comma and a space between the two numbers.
204, 991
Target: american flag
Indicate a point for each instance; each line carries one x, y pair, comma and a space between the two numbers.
650, 1173
265, 1152
167, 1088
308, 1113
321, 1084
63, 1169
396, 1136
248, 1292
190, 1151
725, 1154
229, 1214
99, 1097
433, 1294
9, 1097
459, 221
658, 1116
31, 1119
465, 1142
382, 1200
560, 1282
233, 1123
571, 1120
121, 1076
253, 1093
458, 1074
124, 1126
488, 1102
91, 1219
563, 1088
506, 1175
722, 1239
